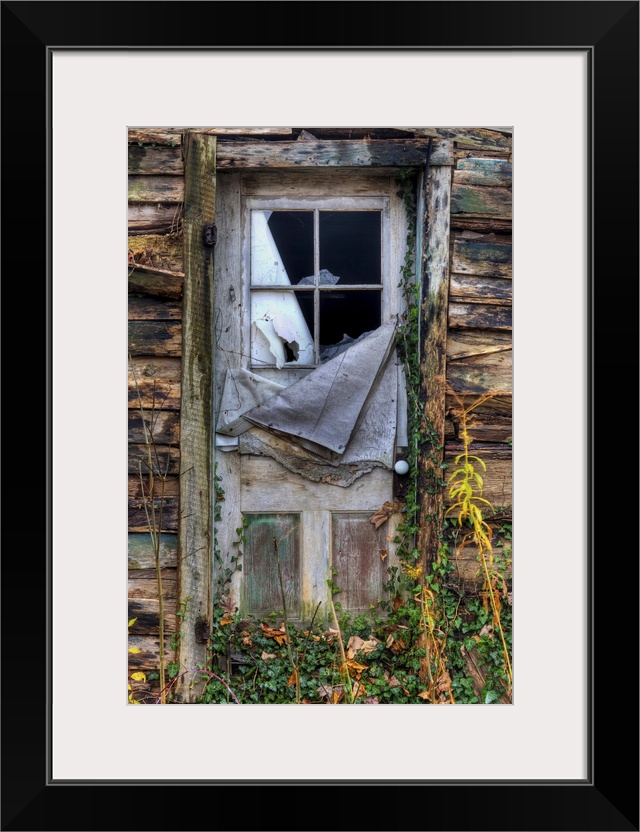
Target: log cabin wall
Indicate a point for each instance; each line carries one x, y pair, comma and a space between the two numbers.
479, 357
155, 266
479, 342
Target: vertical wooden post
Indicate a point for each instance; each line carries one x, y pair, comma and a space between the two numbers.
196, 418
433, 343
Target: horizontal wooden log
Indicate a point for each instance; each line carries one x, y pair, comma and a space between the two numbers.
317, 182
158, 161
154, 383
172, 136
491, 373
479, 316
154, 394
468, 566
165, 426
165, 459
391, 153
144, 308
483, 171
467, 136
242, 131
354, 133
156, 188
146, 611
471, 288
486, 450
467, 343
155, 338
482, 254
465, 153
169, 136
142, 556
483, 225
138, 518
478, 201
136, 489
143, 584
497, 482
490, 424
166, 285
154, 217
149, 656
498, 431
161, 369
157, 251
145, 692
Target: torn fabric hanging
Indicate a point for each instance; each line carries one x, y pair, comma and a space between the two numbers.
242, 392
372, 443
321, 411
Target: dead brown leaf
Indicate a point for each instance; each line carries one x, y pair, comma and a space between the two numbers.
383, 554
227, 605
391, 680
293, 678
266, 656
280, 635
353, 646
226, 620
380, 517
355, 668
358, 690
398, 645
425, 695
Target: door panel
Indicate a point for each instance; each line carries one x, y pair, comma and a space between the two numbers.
269, 539
359, 555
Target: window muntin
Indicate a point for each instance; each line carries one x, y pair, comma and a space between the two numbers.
327, 258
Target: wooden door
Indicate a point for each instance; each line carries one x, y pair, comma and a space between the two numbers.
303, 259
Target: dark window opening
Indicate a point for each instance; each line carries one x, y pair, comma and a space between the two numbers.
350, 245
348, 313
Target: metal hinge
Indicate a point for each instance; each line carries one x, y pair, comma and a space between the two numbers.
209, 235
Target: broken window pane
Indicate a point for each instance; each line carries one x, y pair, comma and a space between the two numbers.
350, 245
281, 328
348, 313
281, 247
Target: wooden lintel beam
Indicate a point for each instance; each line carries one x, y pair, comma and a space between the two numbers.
355, 154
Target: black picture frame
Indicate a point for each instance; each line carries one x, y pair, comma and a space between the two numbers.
608, 798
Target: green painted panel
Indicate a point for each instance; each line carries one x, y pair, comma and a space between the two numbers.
261, 585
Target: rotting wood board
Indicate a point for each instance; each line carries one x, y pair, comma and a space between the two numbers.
479, 316
394, 152
141, 555
165, 459
479, 201
165, 426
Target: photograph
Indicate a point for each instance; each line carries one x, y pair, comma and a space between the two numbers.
339, 418
319, 393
